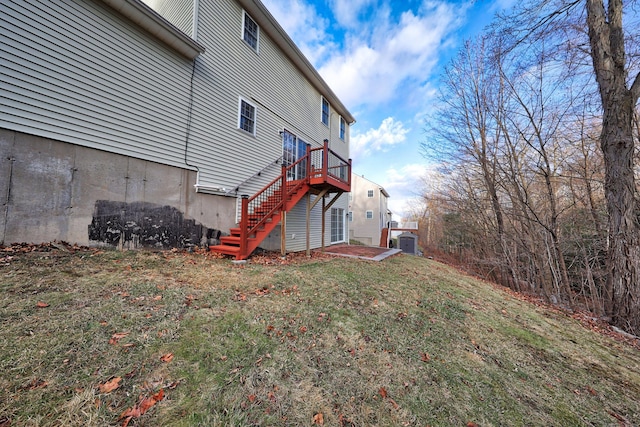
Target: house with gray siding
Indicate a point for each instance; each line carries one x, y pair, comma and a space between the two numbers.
369, 215
133, 124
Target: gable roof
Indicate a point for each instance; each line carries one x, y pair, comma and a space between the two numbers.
382, 190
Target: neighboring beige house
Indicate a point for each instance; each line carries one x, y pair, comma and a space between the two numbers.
128, 126
369, 215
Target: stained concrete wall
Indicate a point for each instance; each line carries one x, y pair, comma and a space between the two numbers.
52, 190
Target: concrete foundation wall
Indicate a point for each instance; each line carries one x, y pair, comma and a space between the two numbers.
51, 190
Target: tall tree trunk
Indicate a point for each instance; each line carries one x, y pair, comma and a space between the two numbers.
623, 257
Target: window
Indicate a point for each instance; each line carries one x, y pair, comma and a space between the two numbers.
370, 193
250, 32
247, 117
343, 128
369, 214
337, 225
325, 111
350, 216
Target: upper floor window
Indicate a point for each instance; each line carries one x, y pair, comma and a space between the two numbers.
369, 214
370, 193
350, 216
247, 117
250, 31
325, 111
343, 128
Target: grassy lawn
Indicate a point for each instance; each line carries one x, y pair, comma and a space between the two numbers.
100, 338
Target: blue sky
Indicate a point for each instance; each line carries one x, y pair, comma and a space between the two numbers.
383, 58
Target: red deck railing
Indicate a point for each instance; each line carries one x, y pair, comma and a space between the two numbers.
320, 168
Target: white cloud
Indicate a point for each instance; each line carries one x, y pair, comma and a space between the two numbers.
382, 57
405, 186
387, 55
305, 26
348, 12
389, 133
405, 178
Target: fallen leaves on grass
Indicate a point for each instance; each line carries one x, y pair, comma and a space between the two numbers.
425, 357
239, 296
117, 337
42, 304
383, 393
141, 408
110, 385
318, 418
35, 384
167, 357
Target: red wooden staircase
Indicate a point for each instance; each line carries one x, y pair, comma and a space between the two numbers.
262, 212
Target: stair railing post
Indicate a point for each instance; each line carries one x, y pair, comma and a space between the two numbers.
244, 225
283, 189
325, 160
307, 178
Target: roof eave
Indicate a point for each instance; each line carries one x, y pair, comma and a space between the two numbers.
152, 22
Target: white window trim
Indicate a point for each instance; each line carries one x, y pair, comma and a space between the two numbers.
340, 212
341, 120
255, 118
244, 17
370, 192
322, 101
366, 216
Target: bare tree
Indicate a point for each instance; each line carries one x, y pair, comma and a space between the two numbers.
607, 40
607, 45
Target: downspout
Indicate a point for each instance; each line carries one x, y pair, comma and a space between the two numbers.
194, 36
196, 16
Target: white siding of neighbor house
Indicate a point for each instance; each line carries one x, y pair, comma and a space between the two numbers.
109, 86
362, 229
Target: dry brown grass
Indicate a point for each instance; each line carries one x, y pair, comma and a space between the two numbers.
347, 342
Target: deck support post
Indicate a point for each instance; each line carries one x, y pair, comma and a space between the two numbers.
308, 224
323, 221
283, 234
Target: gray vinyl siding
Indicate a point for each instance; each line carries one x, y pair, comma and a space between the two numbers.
109, 86
115, 88
78, 72
268, 79
296, 224
178, 12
